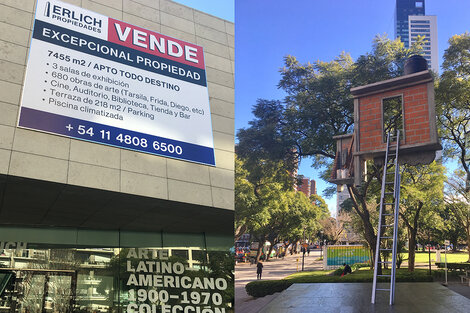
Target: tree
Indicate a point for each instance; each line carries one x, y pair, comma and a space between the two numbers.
332, 229
458, 200
450, 227
453, 100
267, 208
319, 106
421, 198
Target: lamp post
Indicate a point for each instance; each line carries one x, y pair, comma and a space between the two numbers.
321, 245
303, 250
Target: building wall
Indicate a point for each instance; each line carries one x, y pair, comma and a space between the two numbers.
41, 156
415, 111
403, 9
304, 186
313, 187
426, 26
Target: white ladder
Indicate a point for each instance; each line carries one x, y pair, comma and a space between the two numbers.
388, 217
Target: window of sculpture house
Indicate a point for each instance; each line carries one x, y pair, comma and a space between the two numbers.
392, 109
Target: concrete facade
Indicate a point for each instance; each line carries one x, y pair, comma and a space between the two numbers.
426, 26
41, 157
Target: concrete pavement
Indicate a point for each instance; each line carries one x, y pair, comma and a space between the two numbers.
273, 269
356, 298
280, 268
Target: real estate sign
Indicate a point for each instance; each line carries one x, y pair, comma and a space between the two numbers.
94, 78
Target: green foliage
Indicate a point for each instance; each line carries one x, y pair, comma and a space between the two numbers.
458, 203
267, 208
261, 288
453, 98
421, 200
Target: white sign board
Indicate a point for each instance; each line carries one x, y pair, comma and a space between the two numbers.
94, 78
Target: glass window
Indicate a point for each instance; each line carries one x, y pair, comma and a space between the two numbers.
136, 272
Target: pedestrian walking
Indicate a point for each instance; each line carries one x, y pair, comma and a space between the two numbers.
259, 269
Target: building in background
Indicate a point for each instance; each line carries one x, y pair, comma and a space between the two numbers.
307, 186
425, 26
403, 9
341, 195
411, 21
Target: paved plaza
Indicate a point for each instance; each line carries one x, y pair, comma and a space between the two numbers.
355, 297
347, 297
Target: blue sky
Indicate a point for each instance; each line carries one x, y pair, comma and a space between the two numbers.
268, 30
221, 8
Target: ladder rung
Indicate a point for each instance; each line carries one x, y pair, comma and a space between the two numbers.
389, 203
389, 193
389, 173
385, 249
386, 237
384, 275
388, 214
387, 225
389, 182
382, 289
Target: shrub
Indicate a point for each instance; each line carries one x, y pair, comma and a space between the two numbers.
454, 266
354, 267
357, 266
261, 288
337, 272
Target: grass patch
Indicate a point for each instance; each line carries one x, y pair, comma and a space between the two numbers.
359, 276
452, 257
267, 287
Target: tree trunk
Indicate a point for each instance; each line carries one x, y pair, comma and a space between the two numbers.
411, 249
258, 252
269, 252
369, 231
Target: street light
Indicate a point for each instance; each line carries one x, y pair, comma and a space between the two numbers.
321, 243
303, 250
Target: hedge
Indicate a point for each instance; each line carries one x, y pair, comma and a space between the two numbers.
454, 266
261, 288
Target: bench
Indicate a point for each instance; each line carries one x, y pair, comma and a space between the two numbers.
465, 277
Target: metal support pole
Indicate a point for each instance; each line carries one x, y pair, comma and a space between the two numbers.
429, 250
445, 247
303, 258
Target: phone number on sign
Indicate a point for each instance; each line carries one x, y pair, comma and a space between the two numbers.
125, 139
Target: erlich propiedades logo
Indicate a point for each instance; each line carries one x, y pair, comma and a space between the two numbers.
72, 17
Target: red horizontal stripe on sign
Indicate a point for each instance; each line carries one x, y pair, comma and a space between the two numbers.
154, 43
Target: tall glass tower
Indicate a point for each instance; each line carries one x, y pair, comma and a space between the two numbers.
403, 9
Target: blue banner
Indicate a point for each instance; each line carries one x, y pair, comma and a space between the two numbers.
113, 136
